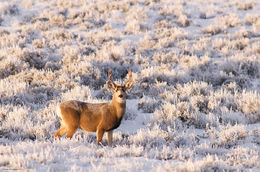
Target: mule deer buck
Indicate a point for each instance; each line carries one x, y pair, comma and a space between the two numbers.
99, 117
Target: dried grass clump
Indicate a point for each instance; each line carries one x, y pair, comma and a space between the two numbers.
214, 29
183, 21
250, 19
11, 66
230, 135
111, 51
148, 104
58, 36
166, 58
149, 138
11, 88
241, 43
255, 48
220, 44
78, 93
247, 5
12, 124
172, 34
35, 59
208, 11
247, 157
191, 62
249, 104
147, 42
133, 26
243, 33
194, 105
115, 5
151, 83
230, 20
240, 65
256, 27
136, 20
8, 9
192, 89
39, 43
11, 39
199, 105
57, 19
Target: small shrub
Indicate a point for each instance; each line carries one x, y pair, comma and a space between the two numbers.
247, 157
245, 5
229, 136
9, 9
251, 19
230, 20
148, 104
214, 29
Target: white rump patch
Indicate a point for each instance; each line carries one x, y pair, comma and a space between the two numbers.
59, 112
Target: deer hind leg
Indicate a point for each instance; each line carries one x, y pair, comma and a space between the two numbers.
71, 132
71, 121
60, 132
110, 137
100, 133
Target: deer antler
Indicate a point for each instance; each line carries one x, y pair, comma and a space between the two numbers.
129, 75
109, 77
129, 82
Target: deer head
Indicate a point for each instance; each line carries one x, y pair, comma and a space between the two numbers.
120, 90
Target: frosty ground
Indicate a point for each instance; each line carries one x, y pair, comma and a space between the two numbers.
195, 103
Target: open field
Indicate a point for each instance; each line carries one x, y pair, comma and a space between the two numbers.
195, 103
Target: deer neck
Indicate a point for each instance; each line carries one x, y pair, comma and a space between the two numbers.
119, 108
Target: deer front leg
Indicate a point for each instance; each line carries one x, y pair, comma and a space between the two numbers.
100, 133
110, 137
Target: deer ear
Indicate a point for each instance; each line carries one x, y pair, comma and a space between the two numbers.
111, 85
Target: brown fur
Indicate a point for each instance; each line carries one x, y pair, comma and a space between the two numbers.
100, 118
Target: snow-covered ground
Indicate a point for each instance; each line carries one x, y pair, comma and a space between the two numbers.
195, 104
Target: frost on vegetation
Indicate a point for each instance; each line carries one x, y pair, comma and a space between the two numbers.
78, 93
147, 104
11, 66
249, 104
245, 5
7, 9
11, 126
149, 138
229, 136
207, 163
243, 156
240, 65
230, 20
130, 114
183, 21
195, 67
198, 104
214, 29
251, 18
207, 13
173, 34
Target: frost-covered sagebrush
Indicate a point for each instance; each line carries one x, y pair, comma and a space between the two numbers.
196, 67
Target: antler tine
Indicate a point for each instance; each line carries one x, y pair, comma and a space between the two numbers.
109, 76
129, 83
129, 75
